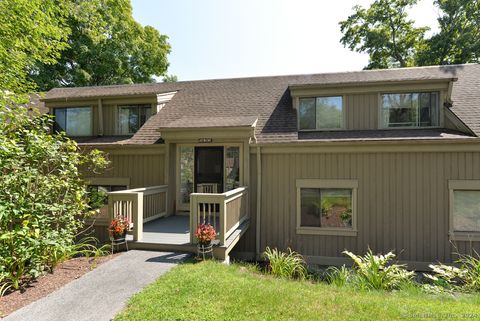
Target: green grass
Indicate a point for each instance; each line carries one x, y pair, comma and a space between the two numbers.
214, 291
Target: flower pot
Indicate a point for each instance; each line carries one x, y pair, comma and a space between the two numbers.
119, 238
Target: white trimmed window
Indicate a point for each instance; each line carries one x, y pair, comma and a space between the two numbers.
419, 109
132, 117
321, 113
74, 121
326, 207
464, 209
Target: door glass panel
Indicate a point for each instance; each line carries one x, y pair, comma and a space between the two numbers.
209, 169
186, 174
232, 168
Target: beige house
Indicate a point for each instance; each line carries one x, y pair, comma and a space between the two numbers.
386, 159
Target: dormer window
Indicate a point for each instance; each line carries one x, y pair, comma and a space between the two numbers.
321, 113
410, 110
74, 121
132, 117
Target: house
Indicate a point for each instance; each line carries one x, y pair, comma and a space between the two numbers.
386, 159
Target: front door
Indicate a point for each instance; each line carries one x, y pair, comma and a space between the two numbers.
209, 170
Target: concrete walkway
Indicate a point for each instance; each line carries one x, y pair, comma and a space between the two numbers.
102, 293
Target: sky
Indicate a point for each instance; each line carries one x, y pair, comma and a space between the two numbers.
243, 38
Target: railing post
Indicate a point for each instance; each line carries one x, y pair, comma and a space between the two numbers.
137, 215
193, 217
223, 221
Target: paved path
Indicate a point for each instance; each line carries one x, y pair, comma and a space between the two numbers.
100, 294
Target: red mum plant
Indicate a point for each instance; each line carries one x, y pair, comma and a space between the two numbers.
205, 233
118, 227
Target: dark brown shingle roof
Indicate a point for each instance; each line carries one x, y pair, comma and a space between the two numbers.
268, 99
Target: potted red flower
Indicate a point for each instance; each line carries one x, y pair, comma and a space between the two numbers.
205, 234
118, 228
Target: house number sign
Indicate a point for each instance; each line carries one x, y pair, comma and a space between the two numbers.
204, 140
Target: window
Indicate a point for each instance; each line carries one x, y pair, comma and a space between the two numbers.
75, 121
326, 207
320, 113
464, 209
232, 168
132, 117
410, 110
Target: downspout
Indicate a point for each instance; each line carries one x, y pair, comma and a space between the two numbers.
259, 202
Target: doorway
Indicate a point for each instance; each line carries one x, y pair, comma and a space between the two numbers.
208, 173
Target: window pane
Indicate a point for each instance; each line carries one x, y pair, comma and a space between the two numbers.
466, 211
336, 208
310, 207
306, 112
329, 112
132, 117
186, 173
232, 168
410, 110
79, 121
60, 119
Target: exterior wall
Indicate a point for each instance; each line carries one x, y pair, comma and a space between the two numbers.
361, 111
402, 202
144, 166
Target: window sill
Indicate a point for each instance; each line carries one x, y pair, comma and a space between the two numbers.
326, 231
464, 236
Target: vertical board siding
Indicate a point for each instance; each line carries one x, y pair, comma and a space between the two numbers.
109, 120
143, 170
402, 202
361, 111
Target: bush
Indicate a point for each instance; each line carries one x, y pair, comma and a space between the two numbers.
465, 277
377, 272
289, 265
43, 199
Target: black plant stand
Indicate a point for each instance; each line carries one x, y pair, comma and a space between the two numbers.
119, 241
205, 249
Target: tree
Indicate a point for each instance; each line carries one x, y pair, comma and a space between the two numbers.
458, 40
389, 37
384, 32
32, 31
106, 46
170, 78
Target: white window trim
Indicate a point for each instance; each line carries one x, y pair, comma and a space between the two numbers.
441, 99
344, 115
459, 185
327, 183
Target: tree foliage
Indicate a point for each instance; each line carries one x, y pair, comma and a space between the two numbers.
43, 199
385, 32
31, 31
106, 46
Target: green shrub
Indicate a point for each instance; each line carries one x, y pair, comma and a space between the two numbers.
289, 265
377, 272
465, 277
43, 199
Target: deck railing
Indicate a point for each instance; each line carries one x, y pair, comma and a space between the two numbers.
225, 212
138, 205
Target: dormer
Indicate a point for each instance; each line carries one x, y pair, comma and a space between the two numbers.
106, 115
385, 105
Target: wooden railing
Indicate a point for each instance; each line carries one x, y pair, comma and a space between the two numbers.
225, 212
138, 205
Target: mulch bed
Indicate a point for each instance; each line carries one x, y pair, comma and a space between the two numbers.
46, 284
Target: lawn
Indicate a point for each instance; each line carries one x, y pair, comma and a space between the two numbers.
214, 291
